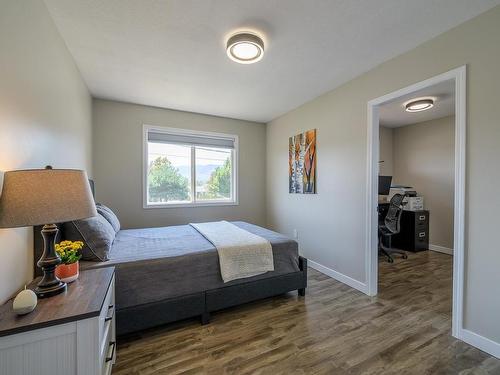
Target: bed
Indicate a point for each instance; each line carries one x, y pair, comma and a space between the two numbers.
172, 273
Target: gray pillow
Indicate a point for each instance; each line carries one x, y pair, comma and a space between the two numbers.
109, 215
96, 233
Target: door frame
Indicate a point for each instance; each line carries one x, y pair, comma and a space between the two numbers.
459, 76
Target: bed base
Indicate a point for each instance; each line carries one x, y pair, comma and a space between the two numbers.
145, 316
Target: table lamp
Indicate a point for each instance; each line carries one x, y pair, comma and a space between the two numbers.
41, 196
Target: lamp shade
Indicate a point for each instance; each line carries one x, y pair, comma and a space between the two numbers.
45, 196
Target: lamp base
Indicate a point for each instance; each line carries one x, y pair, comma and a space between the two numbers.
50, 285
49, 291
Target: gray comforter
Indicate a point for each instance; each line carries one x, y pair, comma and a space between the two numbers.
154, 264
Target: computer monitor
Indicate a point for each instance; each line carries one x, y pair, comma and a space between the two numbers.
384, 185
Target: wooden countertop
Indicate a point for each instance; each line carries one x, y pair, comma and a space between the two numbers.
83, 299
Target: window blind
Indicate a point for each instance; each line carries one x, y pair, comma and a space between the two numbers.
190, 139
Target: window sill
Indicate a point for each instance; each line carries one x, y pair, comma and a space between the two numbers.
191, 205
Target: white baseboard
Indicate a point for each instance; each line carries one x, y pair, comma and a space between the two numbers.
353, 283
441, 249
480, 342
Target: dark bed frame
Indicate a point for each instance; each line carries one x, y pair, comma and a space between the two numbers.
200, 304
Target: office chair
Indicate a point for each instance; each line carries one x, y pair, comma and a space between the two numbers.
391, 226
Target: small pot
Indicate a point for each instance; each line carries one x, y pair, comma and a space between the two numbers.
68, 272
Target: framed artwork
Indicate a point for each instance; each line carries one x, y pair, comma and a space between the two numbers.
302, 163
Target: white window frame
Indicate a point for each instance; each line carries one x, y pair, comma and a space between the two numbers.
234, 165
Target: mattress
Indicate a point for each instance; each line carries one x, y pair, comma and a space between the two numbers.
154, 264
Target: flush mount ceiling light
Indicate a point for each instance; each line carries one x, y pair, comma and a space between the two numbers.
419, 105
245, 48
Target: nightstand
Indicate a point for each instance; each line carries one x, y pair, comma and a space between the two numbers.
70, 333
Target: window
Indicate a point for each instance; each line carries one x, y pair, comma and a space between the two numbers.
189, 168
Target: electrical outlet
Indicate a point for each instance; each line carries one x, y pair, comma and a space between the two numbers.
296, 234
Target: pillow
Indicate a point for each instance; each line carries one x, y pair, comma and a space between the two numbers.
96, 233
109, 215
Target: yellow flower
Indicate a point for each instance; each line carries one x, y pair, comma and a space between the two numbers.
68, 248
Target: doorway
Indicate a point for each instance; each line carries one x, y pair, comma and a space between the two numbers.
458, 77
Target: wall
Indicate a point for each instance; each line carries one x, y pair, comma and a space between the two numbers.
45, 116
386, 139
331, 224
424, 156
118, 164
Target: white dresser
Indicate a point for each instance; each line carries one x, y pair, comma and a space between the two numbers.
71, 333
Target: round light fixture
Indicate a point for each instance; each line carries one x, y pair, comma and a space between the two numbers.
419, 105
245, 48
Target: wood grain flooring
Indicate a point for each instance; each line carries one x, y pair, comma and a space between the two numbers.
334, 329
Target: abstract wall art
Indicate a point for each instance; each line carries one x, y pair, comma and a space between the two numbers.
302, 163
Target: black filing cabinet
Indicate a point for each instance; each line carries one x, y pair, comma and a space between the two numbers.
414, 234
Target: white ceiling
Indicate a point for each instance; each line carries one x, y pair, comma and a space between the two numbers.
394, 115
171, 53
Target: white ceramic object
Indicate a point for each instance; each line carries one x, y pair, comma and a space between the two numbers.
25, 302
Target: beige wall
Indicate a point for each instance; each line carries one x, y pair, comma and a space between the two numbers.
45, 116
331, 224
118, 164
386, 151
424, 158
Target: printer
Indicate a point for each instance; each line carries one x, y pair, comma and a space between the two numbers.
412, 201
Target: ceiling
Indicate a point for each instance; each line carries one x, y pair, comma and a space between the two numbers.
171, 53
394, 115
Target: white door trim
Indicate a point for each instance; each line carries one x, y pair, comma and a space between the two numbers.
371, 251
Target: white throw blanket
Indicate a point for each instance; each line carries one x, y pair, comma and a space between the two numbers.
241, 253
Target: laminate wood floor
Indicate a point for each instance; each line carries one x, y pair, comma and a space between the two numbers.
334, 329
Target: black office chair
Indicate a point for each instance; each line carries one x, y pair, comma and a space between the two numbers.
391, 226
